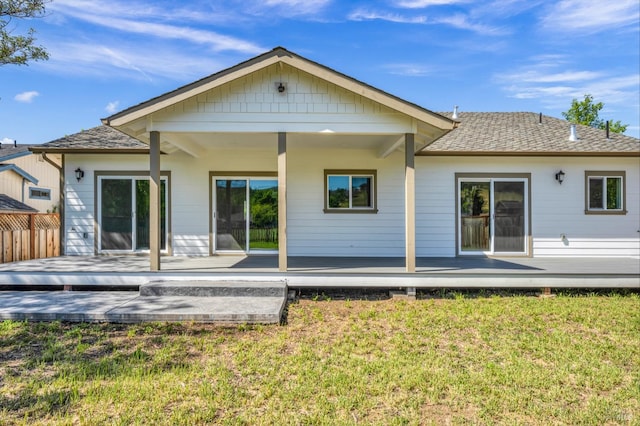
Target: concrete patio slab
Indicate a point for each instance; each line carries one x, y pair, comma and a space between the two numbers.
129, 307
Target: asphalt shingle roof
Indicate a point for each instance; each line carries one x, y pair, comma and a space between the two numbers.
8, 152
8, 204
522, 133
96, 138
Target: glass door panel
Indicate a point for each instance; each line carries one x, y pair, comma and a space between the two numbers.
116, 213
475, 216
142, 214
231, 214
263, 218
509, 216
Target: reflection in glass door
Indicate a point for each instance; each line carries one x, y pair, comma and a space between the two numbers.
124, 214
509, 218
263, 214
116, 231
492, 216
474, 216
246, 214
231, 214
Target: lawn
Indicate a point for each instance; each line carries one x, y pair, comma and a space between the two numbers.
439, 360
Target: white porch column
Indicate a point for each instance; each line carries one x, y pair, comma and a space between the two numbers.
410, 202
154, 201
282, 201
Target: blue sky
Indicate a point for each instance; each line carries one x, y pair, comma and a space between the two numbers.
494, 55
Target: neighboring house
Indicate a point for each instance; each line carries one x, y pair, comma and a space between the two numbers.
10, 205
27, 178
280, 154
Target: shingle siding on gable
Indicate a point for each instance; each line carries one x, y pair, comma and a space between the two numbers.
254, 99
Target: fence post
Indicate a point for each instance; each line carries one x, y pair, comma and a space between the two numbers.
32, 236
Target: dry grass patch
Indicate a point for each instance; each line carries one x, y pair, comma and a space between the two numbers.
490, 360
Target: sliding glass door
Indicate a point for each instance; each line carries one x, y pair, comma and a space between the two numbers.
492, 215
124, 214
246, 214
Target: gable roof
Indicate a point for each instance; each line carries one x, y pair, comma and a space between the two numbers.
98, 139
9, 152
282, 55
21, 172
8, 205
522, 133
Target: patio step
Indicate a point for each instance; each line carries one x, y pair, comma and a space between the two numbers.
215, 288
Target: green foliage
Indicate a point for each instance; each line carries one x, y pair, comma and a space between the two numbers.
472, 198
20, 49
586, 112
339, 198
264, 207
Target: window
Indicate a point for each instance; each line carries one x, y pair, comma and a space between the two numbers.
605, 193
350, 191
39, 193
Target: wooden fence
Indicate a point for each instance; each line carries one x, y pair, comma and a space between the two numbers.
29, 236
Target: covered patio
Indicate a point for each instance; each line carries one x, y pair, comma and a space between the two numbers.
328, 272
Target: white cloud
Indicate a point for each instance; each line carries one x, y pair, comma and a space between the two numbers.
291, 8
141, 10
115, 16
366, 15
458, 21
554, 85
112, 107
140, 62
7, 141
26, 97
462, 22
419, 4
409, 70
591, 16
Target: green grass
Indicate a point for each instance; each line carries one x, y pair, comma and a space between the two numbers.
461, 360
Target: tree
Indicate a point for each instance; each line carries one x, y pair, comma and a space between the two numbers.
19, 49
586, 112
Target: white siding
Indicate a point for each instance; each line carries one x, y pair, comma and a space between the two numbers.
556, 209
311, 232
189, 197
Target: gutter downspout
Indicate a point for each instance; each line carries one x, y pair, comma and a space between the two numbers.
60, 169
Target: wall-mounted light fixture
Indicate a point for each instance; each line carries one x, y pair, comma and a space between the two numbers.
560, 177
79, 174
281, 87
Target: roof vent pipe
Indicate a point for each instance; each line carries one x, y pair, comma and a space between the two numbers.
540, 118
15, 141
573, 134
455, 112
607, 129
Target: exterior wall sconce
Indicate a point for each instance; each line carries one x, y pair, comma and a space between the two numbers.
79, 174
560, 177
281, 87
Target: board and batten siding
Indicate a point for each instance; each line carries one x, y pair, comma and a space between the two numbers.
556, 210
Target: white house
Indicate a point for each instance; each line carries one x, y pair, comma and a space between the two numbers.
280, 154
